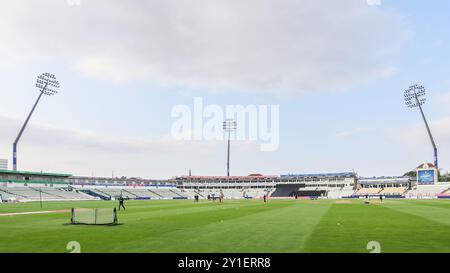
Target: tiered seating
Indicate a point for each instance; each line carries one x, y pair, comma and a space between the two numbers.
393, 191
427, 191
368, 191
49, 193
164, 193
339, 193
46, 193
65, 194
236, 193
114, 193
233, 193
285, 190
153, 194
203, 193
143, 193
191, 193
100, 193
31, 194
254, 193
5, 195
183, 193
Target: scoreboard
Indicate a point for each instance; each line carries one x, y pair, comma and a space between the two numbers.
426, 177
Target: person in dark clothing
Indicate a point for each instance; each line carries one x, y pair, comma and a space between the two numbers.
121, 202
381, 198
265, 198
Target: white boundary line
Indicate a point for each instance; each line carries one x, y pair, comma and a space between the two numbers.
32, 212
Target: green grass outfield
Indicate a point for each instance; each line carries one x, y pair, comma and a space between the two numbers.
235, 226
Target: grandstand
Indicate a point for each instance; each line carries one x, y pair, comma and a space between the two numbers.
401, 186
233, 187
24, 178
428, 191
166, 192
31, 186
285, 190
114, 193
368, 191
339, 193
330, 185
396, 191
37, 193
142, 193
391, 186
232, 193
256, 185
132, 192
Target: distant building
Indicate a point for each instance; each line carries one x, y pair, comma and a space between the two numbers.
3, 164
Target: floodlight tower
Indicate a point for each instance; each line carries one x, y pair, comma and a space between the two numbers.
415, 97
229, 126
47, 85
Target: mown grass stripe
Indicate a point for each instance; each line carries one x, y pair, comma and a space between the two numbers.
348, 228
236, 226
271, 229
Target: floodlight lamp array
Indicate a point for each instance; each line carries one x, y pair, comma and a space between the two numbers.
415, 96
229, 125
47, 84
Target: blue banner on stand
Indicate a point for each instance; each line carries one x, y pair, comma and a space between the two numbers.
425, 177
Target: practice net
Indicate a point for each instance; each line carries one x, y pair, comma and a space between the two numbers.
94, 216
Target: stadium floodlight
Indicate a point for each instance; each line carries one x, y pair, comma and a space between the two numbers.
47, 85
415, 98
229, 126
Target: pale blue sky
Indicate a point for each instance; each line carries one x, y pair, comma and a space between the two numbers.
337, 70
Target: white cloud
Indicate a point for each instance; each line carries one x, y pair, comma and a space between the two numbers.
50, 136
45, 147
259, 45
414, 141
417, 135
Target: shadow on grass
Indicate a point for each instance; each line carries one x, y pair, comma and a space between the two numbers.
85, 224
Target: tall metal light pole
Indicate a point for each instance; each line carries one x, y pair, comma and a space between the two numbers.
47, 85
415, 97
229, 126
